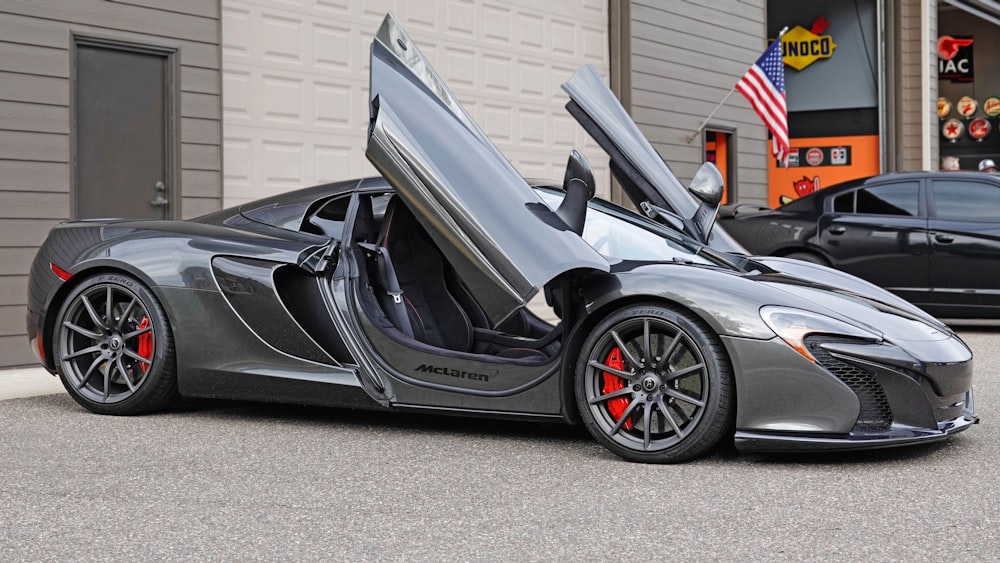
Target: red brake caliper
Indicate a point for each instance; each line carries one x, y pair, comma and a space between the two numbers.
613, 383
145, 344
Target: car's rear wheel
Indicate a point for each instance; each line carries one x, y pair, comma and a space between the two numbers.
654, 385
114, 347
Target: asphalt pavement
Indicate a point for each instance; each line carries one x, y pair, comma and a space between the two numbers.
215, 480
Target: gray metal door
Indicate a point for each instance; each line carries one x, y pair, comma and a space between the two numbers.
122, 133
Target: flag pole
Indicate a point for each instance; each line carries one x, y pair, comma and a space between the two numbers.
697, 131
692, 136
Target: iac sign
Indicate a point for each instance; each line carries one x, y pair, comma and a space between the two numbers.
955, 58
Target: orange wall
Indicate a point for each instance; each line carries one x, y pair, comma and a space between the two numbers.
864, 162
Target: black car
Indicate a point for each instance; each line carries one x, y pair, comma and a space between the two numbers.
932, 238
409, 292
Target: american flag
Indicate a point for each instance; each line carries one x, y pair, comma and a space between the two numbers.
764, 86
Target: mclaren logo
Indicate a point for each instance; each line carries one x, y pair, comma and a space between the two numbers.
460, 374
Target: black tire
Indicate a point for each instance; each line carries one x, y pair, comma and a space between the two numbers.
808, 257
674, 410
102, 363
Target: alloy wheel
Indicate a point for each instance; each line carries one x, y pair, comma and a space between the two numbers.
106, 343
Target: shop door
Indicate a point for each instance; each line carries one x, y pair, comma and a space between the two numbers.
121, 136
718, 150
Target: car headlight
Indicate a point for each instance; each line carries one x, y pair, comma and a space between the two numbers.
793, 325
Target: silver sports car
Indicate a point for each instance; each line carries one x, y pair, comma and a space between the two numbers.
409, 292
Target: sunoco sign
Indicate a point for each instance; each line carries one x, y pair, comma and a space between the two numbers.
801, 47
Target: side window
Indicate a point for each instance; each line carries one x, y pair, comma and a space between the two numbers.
890, 199
844, 203
329, 219
966, 201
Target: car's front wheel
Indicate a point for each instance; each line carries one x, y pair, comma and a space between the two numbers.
654, 385
114, 347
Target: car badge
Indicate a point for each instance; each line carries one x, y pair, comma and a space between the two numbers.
944, 107
967, 106
979, 128
991, 106
952, 129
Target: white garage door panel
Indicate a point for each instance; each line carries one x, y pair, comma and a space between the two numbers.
295, 82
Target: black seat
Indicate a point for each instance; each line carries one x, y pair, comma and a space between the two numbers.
435, 316
578, 183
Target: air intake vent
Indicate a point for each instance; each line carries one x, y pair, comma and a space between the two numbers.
875, 416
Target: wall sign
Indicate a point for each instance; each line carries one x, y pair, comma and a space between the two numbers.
955, 58
967, 106
952, 129
802, 47
820, 156
944, 107
991, 106
979, 128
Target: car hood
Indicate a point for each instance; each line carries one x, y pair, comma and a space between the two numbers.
873, 311
494, 229
640, 170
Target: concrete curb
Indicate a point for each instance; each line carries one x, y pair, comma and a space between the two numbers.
28, 382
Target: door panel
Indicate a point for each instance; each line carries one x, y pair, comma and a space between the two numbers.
965, 238
489, 223
884, 241
121, 133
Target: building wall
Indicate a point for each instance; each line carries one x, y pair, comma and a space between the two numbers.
916, 106
685, 57
295, 96
35, 126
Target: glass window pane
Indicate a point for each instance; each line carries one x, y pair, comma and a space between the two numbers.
844, 203
890, 199
966, 201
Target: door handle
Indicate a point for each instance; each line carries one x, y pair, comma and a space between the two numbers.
944, 239
836, 230
159, 200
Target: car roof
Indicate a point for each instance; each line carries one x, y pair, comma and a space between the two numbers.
815, 199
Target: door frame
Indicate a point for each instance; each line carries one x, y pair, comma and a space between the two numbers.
731, 192
171, 125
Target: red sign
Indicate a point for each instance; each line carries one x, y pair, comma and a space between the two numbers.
979, 128
967, 106
952, 129
955, 58
814, 156
806, 186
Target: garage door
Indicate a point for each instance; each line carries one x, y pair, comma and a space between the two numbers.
295, 82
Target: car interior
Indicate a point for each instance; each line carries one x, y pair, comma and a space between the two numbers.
415, 296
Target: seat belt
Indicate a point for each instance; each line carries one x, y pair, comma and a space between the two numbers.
389, 282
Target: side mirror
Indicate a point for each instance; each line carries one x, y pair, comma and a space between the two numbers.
707, 187
707, 184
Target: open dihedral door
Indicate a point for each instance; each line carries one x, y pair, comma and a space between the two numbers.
497, 233
643, 174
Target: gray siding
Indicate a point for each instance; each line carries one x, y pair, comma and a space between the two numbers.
35, 41
685, 57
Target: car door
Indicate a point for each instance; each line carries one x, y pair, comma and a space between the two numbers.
497, 233
879, 233
641, 171
965, 240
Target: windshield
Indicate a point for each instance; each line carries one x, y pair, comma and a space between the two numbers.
616, 237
